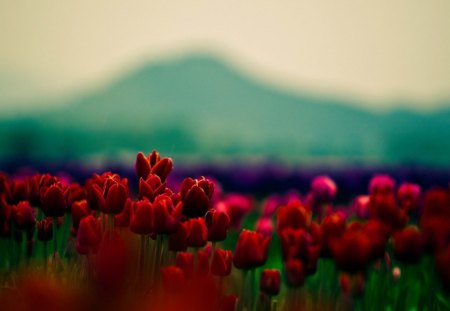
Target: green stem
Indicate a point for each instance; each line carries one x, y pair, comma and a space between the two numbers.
252, 288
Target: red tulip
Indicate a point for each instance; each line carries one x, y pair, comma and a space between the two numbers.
436, 203
196, 195
221, 262
294, 243
251, 250
24, 216
408, 195
53, 201
198, 233
294, 215
295, 272
270, 282
333, 226
44, 229
185, 261
381, 184
172, 278
79, 211
123, 219
153, 164
107, 193
115, 199
141, 217
264, 226
352, 251
166, 217
18, 191
89, 235
74, 192
408, 244
218, 223
151, 187
178, 239
324, 189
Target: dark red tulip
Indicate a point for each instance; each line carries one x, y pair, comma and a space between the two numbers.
270, 282
115, 199
153, 164
361, 206
378, 233
123, 219
185, 261
151, 187
352, 251
178, 239
384, 208
45, 229
408, 244
436, 233
79, 211
166, 216
23, 216
294, 243
74, 192
333, 226
88, 235
196, 195
172, 278
408, 195
436, 203
53, 202
295, 272
294, 215
344, 283
218, 223
381, 185
94, 196
141, 217
221, 262
251, 250
198, 233
18, 191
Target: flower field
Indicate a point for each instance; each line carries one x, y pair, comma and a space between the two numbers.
154, 242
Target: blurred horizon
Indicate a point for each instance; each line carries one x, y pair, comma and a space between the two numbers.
381, 55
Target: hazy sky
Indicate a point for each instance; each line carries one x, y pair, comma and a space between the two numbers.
377, 51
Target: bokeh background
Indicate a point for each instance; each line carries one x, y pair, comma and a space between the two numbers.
292, 82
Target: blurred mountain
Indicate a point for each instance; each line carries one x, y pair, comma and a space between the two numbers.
200, 106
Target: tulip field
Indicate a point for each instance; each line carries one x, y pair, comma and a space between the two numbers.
150, 242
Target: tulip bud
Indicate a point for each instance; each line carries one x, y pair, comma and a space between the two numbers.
251, 250
270, 282
381, 184
293, 215
166, 217
324, 189
196, 195
151, 187
89, 235
178, 239
408, 244
23, 216
221, 262
53, 201
218, 223
344, 283
198, 232
79, 210
141, 217
116, 197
